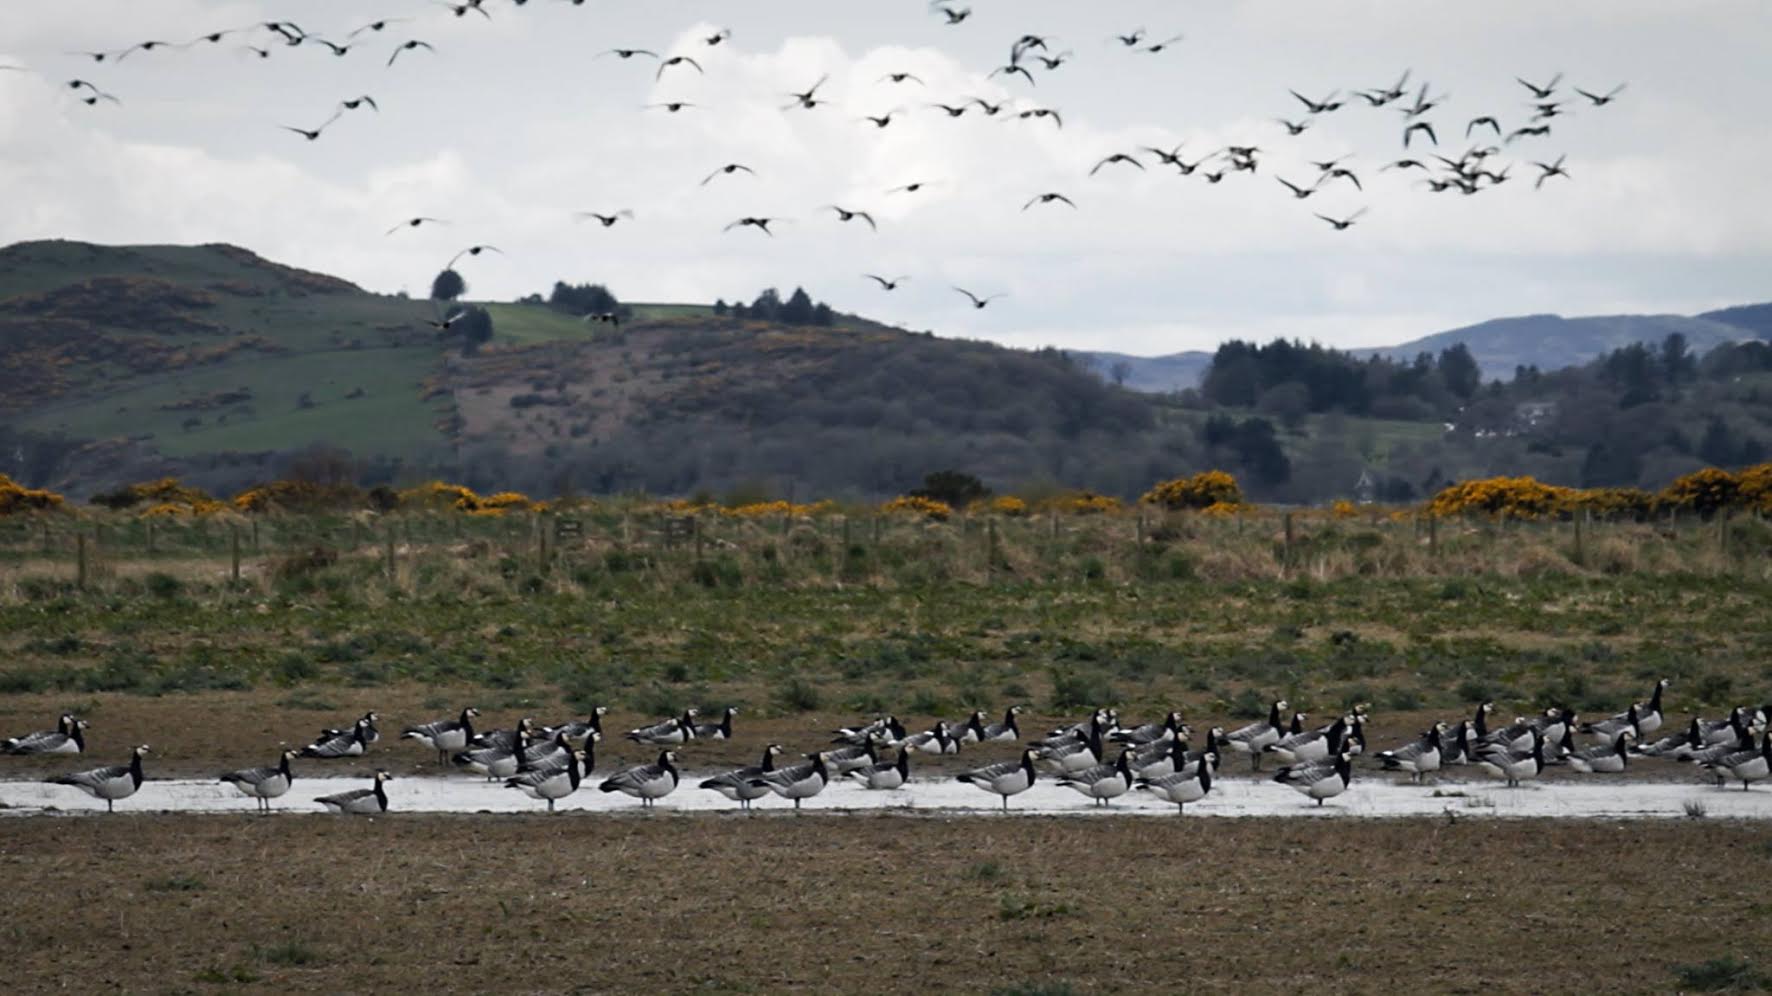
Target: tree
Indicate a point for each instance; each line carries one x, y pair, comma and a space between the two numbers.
448, 286
1459, 371
721, 308
798, 309
1119, 372
956, 489
1677, 361
823, 316
475, 329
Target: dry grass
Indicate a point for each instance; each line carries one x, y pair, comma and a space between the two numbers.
880, 904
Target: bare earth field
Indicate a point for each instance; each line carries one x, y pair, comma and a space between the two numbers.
886, 904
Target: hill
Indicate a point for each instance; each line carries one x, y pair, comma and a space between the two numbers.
1151, 374
1551, 342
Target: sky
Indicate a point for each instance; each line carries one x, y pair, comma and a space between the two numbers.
514, 123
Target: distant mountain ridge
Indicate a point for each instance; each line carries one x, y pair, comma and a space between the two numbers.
1548, 342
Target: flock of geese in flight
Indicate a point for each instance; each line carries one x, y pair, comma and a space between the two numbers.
1097, 757
1478, 168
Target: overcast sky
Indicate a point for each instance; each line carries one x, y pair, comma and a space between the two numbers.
513, 124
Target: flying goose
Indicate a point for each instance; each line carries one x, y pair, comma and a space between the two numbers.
606, 220
408, 46
798, 782
1255, 737
334, 744
844, 214
1118, 157
1599, 99
416, 222
1149, 733
119, 781
1422, 757
1048, 198
552, 784
979, 303
445, 736
1423, 127
1513, 764
372, 801
1005, 779
736, 785
678, 60
1748, 766
646, 782
886, 285
936, 740
887, 728
717, 731
1548, 171
1005, 732
666, 732
264, 784
1103, 782
1605, 758
1321, 780
884, 775
1182, 787
1343, 224
1541, 92
68, 737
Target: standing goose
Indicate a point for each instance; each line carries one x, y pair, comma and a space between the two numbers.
1748, 766
1648, 716
1255, 737
1098, 720
846, 759
445, 736
1076, 755
119, 781
264, 784
552, 784
1007, 731
666, 732
1422, 757
717, 731
972, 730
372, 801
1512, 764
885, 775
68, 737
494, 761
1320, 780
1607, 759
1162, 758
548, 755
334, 744
1709, 757
647, 782
737, 785
507, 739
798, 782
1183, 787
1005, 779
1311, 745
1608, 729
933, 741
1103, 782
1150, 732
579, 729
1726, 731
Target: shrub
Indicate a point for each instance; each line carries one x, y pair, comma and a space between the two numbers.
16, 499
1706, 492
1726, 974
1203, 490
798, 695
926, 508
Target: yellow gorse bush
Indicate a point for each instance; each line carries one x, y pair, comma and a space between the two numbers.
927, 508
1008, 505
1203, 490
1083, 503
16, 499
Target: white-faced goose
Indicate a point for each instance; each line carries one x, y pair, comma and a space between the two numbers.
335, 744
445, 736
1005, 779
1728, 730
1677, 746
1005, 732
1746, 766
1514, 765
1255, 737
1649, 719
1604, 759
933, 741
885, 776
717, 731
1150, 732
264, 784
1463, 746
496, 761
887, 728
1076, 755
970, 730
738, 785
507, 739
68, 737
666, 732
1321, 780
545, 755
647, 782
553, 784
1609, 729
1311, 745
798, 782
843, 760
1708, 757
1419, 758
372, 801
579, 729
1183, 787
119, 781
1103, 782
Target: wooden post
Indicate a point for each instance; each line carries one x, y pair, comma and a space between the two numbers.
991, 546
1580, 554
389, 551
541, 546
876, 530
80, 553
1052, 524
234, 551
1288, 521
256, 549
150, 525
1140, 533
846, 539
1433, 535
695, 525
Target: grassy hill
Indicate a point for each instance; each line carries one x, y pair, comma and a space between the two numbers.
1551, 342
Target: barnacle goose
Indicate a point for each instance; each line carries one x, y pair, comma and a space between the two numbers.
970, 730
341, 743
737, 786
1727, 731
1076, 755
1161, 757
1101, 722
372, 801
887, 728
1321, 780
846, 759
798, 782
1462, 749
717, 731
579, 729
507, 739
1514, 765
545, 756
1005, 779
1183, 787
1748, 766
1479, 724
445, 735
119, 781
1419, 758
646, 782
552, 784
885, 775
1603, 759
495, 761
1149, 732
666, 732
1677, 746
1006, 731
1708, 756
936, 740
1103, 782
264, 784
1252, 739
1649, 717
1609, 729
1311, 745
370, 733
68, 737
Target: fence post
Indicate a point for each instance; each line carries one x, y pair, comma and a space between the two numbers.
150, 536
1580, 554
876, 530
695, 524
1433, 535
1140, 534
1288, 522
541, 546
80, 553
234, 550
48, 544
990, 567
